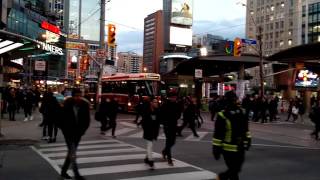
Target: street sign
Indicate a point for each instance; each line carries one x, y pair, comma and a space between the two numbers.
101, 53
40, 65
249, 41
198, 73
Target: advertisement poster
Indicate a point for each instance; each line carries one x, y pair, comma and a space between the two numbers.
182, 12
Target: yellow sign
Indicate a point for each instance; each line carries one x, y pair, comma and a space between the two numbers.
75, 45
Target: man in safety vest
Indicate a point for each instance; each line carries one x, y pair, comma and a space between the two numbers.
231, 137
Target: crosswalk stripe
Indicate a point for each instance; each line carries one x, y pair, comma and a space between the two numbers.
122, 131
198, 175
126, 168
108, 158
137, 135
129, 124
109, 151
81, 143
64, 148
192, 138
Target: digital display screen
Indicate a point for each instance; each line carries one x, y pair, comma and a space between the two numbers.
306, 79
182, 12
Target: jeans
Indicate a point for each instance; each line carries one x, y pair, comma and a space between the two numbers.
72, 144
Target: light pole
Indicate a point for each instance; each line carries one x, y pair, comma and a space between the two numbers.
259, 51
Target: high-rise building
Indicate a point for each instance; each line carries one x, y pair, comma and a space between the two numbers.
58, 8
277, 22
310, 22
128, 62
153, 46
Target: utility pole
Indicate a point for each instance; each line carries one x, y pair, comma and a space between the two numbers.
1, 94
102, 46
259, 37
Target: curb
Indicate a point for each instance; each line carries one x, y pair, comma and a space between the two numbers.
18, 142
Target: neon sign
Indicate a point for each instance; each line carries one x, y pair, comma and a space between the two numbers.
50, 27
307, 79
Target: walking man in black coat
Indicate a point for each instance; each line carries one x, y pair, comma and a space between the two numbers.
170, 113
75, 122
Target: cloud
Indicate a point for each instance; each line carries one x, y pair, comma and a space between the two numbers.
130, 41
227, 29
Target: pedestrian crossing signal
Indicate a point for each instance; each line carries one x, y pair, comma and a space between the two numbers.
111, 35
237, 47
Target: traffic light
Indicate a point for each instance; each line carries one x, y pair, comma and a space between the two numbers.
111, 35
237, 47
74, 62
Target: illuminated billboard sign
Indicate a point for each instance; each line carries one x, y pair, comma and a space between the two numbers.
306, 79
180, 36
50, 27
50, 48
182, 12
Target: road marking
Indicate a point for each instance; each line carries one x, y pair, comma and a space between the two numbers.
122, 131
108, 158
192, 138
109, 151
84, 147
81, 143
129, 124
137, 135
197, 175
127, 168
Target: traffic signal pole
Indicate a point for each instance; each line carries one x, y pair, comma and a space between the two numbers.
102, 46
261, 62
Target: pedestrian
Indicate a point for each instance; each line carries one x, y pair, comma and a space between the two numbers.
150, 125
112, 111
272, 107
101, 115
231, 137
169, 115
315, 118
295, 112
50, 109
12, 101
198, 111
73, 123
213, 107
28, 101
301, 109
138, 110
291, 102
247, 104
189, 118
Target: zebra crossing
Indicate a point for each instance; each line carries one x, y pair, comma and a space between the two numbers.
112, 159
130, 130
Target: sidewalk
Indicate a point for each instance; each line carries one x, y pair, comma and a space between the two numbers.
20, 132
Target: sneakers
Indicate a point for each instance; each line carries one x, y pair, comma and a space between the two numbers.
149, 163
31, 118
25, 119
170, 162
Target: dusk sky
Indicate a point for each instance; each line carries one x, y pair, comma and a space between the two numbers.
218, 17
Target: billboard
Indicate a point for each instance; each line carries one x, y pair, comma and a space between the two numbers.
180, 36
306, 79
182, 12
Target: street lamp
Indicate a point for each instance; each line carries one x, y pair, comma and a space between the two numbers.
145, 69
259, 50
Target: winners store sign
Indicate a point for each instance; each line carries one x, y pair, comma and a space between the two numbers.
50, 48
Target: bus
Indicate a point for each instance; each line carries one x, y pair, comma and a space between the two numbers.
127, 88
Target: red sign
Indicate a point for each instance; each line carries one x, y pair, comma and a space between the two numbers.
50, 27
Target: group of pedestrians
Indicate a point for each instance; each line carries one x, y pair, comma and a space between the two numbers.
16, 98
107, 115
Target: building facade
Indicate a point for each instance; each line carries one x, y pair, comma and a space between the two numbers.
277, 21
153, 46
310, 21
128, 62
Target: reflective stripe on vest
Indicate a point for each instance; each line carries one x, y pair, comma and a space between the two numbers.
230, 147
248, 134
216, 142
228, 128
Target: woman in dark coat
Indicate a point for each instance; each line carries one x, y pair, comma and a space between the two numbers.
150, 125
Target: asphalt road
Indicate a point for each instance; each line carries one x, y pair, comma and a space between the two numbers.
280, 151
